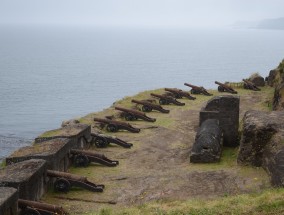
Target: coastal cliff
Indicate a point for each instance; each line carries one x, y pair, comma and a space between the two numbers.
276, 80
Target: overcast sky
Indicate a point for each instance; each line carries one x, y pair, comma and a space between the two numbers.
152, 13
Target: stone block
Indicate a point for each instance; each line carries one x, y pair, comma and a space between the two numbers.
207, 147
79, 133
225, 109
8, 201
28, 177
55, 152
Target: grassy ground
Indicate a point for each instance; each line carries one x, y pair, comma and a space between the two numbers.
155, 176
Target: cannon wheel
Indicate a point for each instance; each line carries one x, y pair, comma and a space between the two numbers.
193, 91
111, 128
221, 89
246, 86
146, 108
129, 117
62, 185
101, 142
30, 211
81, 160
178, 96
163, 102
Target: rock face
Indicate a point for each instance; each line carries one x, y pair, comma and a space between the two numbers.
262, 143
208, 143
69, 122
276, 79
257, 80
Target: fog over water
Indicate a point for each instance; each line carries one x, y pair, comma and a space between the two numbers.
138, 13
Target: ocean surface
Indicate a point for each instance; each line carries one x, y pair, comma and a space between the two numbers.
51, 74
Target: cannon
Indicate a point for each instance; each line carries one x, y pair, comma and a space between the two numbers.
179, 93
130, 115
38, 208
165, 100
198, 90
148, 106
114, 126
102, 141
64, 181
250, 86
225, 88
83, 158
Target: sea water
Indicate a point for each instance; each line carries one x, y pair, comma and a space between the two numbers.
51, 74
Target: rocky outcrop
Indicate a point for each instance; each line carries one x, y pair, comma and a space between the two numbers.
70, 122
257, 80
276, 79
262, 143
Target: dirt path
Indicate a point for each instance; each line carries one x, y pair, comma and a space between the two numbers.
157, 167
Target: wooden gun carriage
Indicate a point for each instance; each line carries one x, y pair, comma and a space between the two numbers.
114, 126
148, 106
178, 93
130, 115
84, 158
225, 88
198, 90
165, 100
64, 181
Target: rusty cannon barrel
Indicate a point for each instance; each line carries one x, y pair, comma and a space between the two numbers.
178, 93
130, 114
53, 173
31, 207
102, 141
64, 181
198, 90
84, 157
148, 106
165, 100
225, 88
250, 86
114, 126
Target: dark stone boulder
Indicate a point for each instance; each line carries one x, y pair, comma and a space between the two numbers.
276, 80
208, 143
257, 80
271, 79
262, 143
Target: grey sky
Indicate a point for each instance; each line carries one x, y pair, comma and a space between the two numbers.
152, 13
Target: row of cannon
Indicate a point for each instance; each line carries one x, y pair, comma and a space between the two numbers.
170, 97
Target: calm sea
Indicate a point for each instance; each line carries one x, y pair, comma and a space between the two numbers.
48, 75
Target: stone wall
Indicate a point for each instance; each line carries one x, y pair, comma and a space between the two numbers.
28, 177
55, 152
79, 133
8, 201
226, 110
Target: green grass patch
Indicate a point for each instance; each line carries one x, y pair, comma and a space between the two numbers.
265, 202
